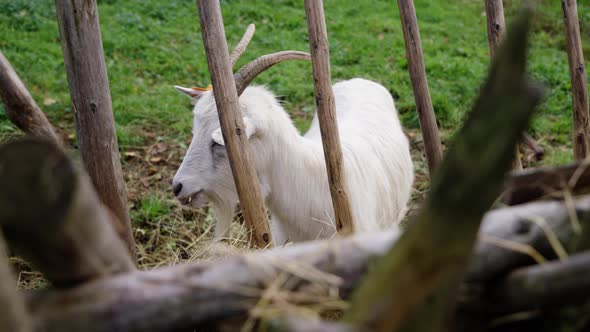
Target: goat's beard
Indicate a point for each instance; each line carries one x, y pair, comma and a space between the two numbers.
198, 201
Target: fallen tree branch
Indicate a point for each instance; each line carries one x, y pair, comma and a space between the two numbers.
535, 183
50, 214
546, 286
13, 316
20, 107
200, 294
534, 146
522, 225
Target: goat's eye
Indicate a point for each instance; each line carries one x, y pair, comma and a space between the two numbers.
214, 144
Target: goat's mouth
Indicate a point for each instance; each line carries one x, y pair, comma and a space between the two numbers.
196, 199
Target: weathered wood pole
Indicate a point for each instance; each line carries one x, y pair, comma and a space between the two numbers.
496, 24
581, 134
232, 125
67, 234
13, 315
91, 97
20, 107
326, 110
426, 115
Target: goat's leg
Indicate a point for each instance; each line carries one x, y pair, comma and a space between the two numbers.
279, 234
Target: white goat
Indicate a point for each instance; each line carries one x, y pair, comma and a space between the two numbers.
291, 169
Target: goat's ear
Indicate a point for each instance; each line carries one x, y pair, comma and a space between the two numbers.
250, 129
194, 93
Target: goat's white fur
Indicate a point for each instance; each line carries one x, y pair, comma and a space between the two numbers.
378, 168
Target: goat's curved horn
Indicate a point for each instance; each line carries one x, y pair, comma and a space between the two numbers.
242, 45
249, 72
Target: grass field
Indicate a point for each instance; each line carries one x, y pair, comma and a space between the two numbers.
151, 45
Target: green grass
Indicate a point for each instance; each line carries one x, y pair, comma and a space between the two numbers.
151, 45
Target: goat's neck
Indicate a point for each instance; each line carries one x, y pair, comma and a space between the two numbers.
297, 169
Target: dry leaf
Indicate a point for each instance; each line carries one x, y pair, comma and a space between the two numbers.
130, 154
161, 147
49, 101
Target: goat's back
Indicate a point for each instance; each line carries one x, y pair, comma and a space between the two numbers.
376, 153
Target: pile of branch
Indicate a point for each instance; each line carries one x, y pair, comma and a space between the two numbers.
454, 259
98, 290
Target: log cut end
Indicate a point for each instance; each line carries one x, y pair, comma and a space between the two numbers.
37, 181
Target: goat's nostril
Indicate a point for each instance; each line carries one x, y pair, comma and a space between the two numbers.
177, 188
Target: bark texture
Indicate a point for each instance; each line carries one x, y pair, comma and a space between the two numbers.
326, 110
81, 43
432, 143
496, 24
13, 312
20, 107
50, 215
547, 182
208, 293
581, 133
232, 124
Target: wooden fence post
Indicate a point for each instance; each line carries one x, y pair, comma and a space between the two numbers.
581, 133
91, 97
232, 125
496, 23
326, 110
430, 133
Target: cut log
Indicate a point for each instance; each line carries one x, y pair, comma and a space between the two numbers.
326, 111
232, 124
414, 284
20, 107
81, 43
546, 182
50, 215
428, 125
200, 294
13, 316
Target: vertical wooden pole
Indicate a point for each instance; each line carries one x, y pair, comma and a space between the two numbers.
581, 134
232, 125
496, 24
13, 314
326, 109
91, 97
424, 107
